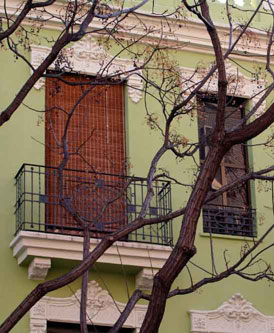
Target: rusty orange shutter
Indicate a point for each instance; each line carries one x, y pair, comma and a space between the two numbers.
96, 142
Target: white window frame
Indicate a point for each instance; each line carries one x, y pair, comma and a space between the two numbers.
102, 309
237, 315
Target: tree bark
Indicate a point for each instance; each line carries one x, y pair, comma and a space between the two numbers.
84, 291
184, 248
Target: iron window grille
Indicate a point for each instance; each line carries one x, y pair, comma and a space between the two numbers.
226, 220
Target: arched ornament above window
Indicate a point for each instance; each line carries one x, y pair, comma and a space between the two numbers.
239, 85
87, 57
102, 310
234, 316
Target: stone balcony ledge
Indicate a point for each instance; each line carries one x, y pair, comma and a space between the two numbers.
37, 249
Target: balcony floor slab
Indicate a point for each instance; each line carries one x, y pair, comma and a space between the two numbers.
28, 245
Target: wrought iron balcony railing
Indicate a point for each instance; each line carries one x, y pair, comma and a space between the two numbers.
227, 220
106, 201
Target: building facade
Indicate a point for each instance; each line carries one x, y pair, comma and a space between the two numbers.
114, 139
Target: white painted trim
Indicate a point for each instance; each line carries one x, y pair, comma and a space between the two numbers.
101, 310
239, 85
189, 33
87, 57
234, 316
38, 268
144, 279
28, 244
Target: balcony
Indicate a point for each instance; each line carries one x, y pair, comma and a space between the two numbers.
44, 229
227, 220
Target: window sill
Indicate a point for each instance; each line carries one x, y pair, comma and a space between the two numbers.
230, 237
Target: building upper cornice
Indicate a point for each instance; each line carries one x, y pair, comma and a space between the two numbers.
175, 32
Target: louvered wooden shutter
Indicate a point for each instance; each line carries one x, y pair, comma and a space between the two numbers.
96, 131
234, 164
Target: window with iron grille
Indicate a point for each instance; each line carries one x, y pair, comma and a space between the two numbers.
231, 212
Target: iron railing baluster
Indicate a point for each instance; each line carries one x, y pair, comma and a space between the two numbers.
37, 203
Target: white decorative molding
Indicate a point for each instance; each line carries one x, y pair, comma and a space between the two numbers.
234, 316
188, 32
144, 279
38, 268
38, 326
135, 86
238, 84
87, 57
268, 5
27, 245
37, 56
102, 310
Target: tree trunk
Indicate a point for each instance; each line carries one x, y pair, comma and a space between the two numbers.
184, 248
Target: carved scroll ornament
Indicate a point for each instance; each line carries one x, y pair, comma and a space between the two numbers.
238, 84
234, 316
87, 57
101, 310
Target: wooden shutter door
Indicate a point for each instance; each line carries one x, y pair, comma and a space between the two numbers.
96, 142
234, 164
230, 212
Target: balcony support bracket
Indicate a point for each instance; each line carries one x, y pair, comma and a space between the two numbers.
38, 268
144, 279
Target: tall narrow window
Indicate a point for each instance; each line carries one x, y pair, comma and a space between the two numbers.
231, 212
96, 142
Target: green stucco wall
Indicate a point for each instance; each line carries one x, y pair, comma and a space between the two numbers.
21, 141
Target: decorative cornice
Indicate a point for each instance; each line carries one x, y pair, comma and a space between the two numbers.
234, 316
102, 309
87, 57
90, 58
173, 31
238, 84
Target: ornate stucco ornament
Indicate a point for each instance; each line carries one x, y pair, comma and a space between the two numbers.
87, 57
239, 85
102, 310
237, 315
